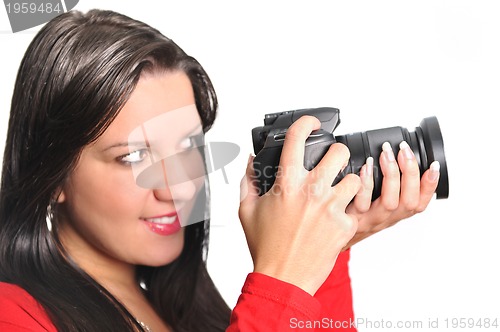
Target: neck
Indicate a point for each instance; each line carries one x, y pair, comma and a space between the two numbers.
107, 271
117, 276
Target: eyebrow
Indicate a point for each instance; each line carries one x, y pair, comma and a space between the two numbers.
125, 144
143, 144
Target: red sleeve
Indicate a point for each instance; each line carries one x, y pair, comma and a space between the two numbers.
335, 296
20, 312
268, 304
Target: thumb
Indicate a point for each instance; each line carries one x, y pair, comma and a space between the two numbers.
249, 192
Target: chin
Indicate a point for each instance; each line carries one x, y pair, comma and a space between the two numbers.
164, 255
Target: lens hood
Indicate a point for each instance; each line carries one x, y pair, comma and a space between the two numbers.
433, 140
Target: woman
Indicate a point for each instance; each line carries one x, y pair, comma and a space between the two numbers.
103, 223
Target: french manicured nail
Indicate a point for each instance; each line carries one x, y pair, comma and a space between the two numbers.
250, 157
369, 167
407, 152
434, 171
387, 149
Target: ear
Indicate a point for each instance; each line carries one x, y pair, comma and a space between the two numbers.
61, 197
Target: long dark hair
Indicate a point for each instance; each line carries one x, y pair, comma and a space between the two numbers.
76, 75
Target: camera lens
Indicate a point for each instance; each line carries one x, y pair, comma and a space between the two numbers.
426, 143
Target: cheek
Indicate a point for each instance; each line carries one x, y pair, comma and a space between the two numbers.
105, 192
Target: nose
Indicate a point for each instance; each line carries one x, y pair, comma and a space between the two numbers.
184, 191
163, 194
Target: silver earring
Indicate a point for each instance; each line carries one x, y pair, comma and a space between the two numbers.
49, 217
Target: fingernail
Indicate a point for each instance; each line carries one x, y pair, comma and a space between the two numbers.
386, 147
250, 157
434, 171
407, 152
369, 167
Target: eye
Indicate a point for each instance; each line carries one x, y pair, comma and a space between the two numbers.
134, 157
186, 143
191, 142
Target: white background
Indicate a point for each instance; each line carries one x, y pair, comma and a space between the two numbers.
383, 63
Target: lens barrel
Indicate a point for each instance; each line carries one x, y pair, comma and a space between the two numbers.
426, 143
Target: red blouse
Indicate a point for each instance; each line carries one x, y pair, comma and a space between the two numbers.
20, 312
266, 304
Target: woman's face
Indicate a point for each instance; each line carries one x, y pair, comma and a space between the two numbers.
107, 214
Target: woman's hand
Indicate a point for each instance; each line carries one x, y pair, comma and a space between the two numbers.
296, 230
403, 194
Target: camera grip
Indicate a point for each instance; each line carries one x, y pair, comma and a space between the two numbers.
266, 163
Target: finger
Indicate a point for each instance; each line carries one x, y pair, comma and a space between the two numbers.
249, 191
389, 196
292, 155
335, 159
410, 179
428, 185
362, 201
343, 192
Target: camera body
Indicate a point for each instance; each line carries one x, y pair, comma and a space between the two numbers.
426, 143
268, 141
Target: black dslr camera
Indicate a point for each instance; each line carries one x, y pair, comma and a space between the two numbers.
426, 142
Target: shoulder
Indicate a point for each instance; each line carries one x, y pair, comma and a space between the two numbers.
20, 311
12, 296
